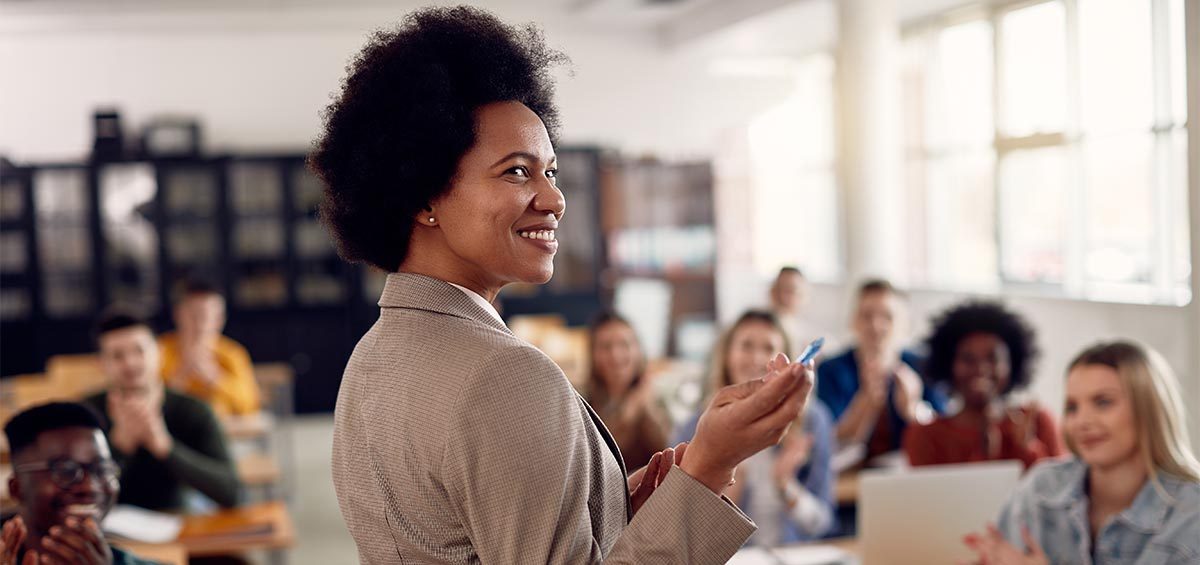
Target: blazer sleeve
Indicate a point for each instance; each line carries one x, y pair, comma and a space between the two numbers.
516, 468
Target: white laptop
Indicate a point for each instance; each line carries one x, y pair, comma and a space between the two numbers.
920, 515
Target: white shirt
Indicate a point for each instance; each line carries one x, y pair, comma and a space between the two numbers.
481, 301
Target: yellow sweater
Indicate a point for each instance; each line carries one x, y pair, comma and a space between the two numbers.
234, 392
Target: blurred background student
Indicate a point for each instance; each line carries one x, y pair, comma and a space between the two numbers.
620, 393
788, 298
786, 490
874, 389
168, 445
986, 354
1130, 494
198, 360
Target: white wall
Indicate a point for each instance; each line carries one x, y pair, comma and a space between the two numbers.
257, 78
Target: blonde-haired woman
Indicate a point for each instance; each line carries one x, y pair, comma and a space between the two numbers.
1131, 494
786, 490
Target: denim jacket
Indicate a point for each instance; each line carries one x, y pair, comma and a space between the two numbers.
1156, 529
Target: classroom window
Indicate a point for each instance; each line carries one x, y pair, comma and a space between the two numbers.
1045, 149
793, 178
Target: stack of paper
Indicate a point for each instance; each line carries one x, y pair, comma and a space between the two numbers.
139, 524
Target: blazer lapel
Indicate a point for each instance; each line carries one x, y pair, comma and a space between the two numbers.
612, 447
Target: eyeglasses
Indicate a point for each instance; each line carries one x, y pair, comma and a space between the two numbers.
67, 473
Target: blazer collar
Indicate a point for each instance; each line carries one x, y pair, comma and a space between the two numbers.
419, 292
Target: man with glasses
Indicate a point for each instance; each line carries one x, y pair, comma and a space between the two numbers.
65, 481
167, 443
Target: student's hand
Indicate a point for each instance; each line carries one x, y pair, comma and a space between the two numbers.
992, 549
156, 439
1024, 422
644, 481
744, 419
11, 539
874, 377
793, 454
78, 542
127, 432
909, 391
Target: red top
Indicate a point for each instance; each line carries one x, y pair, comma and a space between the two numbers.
944, 441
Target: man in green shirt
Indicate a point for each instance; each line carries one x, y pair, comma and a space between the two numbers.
65, 481
165, 442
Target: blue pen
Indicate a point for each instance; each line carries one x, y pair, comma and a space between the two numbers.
811, 351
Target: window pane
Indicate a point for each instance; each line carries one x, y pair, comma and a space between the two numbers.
64, 241
1034, 70
1177, 54
12, 199
1033, 194
255, 188
1181, 258
1117, 86
792, 172
191, 192
961, 227
959, 105
1119, 209
127, 194
779, 239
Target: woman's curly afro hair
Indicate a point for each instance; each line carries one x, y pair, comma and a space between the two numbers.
406, 115
953, 325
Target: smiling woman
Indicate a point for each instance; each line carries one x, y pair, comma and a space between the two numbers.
454, 441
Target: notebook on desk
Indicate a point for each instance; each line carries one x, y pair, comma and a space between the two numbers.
920, 515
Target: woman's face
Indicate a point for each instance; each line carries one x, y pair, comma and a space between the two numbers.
500, 215
981, 368
1099, 418
616, 355
875, 319
751, 346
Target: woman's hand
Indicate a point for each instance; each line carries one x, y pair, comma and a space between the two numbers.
992, 549
1024, 422
745, 419
644, 481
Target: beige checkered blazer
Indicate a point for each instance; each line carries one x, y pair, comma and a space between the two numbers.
456, 442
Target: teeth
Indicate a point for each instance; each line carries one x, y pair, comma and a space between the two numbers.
83, 509
544, 235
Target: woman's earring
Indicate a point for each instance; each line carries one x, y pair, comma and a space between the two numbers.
431, 219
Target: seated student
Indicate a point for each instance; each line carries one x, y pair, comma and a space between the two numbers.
621, 395
873, 389
786, 490
64, 481
789, 295
1130, 495
165, 442
985, 352
199, 361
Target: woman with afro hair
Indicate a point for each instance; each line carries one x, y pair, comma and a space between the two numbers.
983, 352
455, 441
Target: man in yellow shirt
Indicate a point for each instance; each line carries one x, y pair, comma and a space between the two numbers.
198, 360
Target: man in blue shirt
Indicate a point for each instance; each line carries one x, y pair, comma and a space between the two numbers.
874, 389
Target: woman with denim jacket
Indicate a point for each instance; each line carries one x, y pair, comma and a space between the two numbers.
1131, 494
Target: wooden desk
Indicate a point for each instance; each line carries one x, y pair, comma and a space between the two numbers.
258, 469
260, 526
845, 492
168, 554
251, 426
